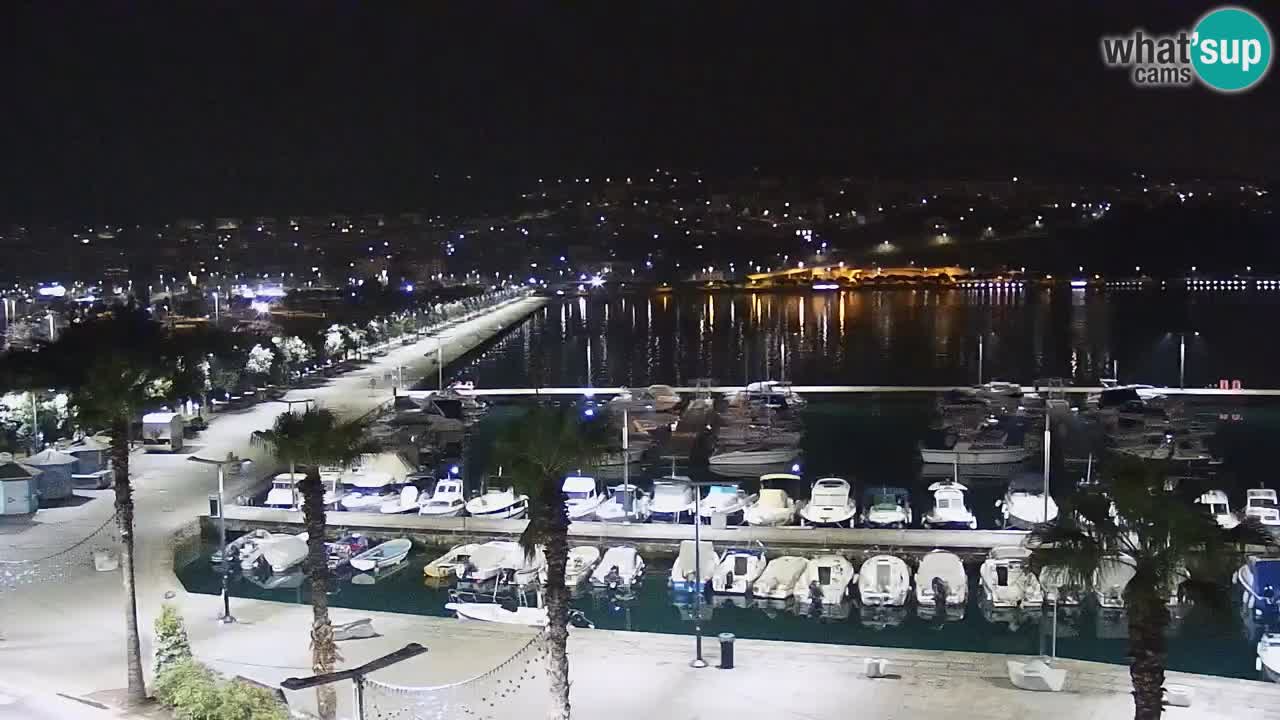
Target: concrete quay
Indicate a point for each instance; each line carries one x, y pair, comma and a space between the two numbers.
660, 538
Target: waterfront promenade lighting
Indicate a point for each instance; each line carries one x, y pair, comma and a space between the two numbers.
221, 462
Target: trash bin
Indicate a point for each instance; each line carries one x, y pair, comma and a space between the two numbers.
726, 651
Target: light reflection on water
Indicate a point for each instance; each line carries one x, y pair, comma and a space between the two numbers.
892, 337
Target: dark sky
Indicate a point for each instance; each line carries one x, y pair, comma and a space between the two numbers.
133, 109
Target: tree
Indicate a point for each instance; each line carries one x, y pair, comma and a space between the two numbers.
260, 360
538, 452
1150, 521
293, 350
314, 438
112, 369
335, 341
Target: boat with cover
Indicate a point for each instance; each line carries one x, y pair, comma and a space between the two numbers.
673, 500
686, 573
621, 567
1007, 581
447, 565
1024, 504
884, 580
779, 578
825, 581
727, 500
582, 561
941, 580
773, 506
739, 568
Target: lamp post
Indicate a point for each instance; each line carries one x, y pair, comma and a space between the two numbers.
981, 343
1182, 360
697, 661
226, 617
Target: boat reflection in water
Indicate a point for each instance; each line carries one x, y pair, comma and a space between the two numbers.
880, 617
373, 577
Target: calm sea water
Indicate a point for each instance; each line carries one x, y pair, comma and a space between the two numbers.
892, 337
898, 337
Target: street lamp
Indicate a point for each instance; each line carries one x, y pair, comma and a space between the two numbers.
230, 458
697, 486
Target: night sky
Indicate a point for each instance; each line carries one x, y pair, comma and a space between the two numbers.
136, 110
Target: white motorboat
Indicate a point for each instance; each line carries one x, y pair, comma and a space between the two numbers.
739, 568
391, 552
830, 503
773, 507
779, 578
1111, 579
1007, 581
1217, 505
1268, 661
1259, 578
775, 393
998, 390
1056, 582
825, 581
626, 503
949, 511
446, 566
284, 552
368, 490
498, 503
446, 501
1025, 505
663, 397
686, 573
941, 580
581, 497
727, 500
487, 560
884, 580
406, 502
673, 500
753, 455
620, 568
497, 613
987, 448
582, 560
251, 551
1260, 504
886, 507
237, 547
283, 492
522, 569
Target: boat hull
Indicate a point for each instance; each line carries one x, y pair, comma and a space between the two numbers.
752, 457
974, 457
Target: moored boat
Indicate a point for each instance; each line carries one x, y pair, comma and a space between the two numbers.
383, 555
830, 504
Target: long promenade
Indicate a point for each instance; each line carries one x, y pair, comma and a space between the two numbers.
65, 635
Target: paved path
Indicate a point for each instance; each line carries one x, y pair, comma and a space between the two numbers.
66, 635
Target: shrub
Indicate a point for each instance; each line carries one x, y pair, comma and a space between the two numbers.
172, 645
194, 692
190, 690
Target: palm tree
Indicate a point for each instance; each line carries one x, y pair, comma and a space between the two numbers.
1149, 520
538, 451
314, 438
113, 368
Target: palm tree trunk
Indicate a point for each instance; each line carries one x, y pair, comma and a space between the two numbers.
1148, 619
124, 520
557, 596
324, 651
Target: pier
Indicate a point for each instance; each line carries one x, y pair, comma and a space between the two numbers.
656, 538
842, 390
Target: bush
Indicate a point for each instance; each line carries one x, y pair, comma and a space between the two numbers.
194, 692
190, 690
172, 645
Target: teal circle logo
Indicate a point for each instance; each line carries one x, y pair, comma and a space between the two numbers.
1231, 49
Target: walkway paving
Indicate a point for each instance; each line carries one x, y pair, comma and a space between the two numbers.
66, 636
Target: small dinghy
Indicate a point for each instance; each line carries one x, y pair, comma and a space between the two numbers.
739, 568
685, 574
447, 565
779, 578
941, 584
884, 580
284, 552
620, 568
1006, 580
497, 613
825, 581
239, 545
582, 560
391, 552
